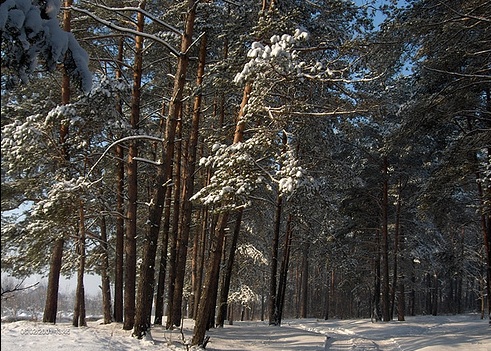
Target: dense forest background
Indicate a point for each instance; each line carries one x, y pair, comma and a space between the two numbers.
249, 159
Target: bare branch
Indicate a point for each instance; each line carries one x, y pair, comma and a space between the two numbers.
315, 114
142, 11
17, 287
465, 75
133, 137
111, 25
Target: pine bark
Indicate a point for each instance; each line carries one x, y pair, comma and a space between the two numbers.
105, 280
227, 275
119, 254
174, 237
207, 300
397, 283
51, 305
385, 243
280, 298
132, 178
160, 295
273, 312
164, 174
164, 243
210, 286
304, 281
79, 309
376, 311
199, 249
187, 192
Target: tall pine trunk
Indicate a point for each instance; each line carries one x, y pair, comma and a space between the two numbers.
397, 283
164, 174
227, 275
273, 293
132, 177
119, 254
51, 305
163, 240
210, 286
174, 235
273, 313
280, 298
385, 243
160, 294
376, 311
105, 280
304, 281
199, 249
209, 295
187, 192
79, 310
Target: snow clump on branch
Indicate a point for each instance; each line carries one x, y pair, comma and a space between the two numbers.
244, 295
31, 30
248, 250
280, 54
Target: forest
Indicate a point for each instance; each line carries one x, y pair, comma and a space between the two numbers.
249, 159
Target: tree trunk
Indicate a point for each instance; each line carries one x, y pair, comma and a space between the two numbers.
105, 281
131, 215
385, 244
273, 313
280, 298
200, 247
159, 298
210, 285
434, 295
305, 281
428, 295
119, 254
79, 310
397, 246
376, 313
51, 306
486, 234
227, 275
194, 268
174, 235
412, 293
273, 305
212, 273
187, 192
164, 173
164, 241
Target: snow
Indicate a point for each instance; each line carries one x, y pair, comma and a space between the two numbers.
428, 333
33, 35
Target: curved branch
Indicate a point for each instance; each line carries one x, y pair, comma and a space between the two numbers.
133, 137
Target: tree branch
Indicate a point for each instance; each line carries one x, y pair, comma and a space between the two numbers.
17, 287
127, 30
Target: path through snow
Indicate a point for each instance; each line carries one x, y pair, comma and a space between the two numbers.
428, 333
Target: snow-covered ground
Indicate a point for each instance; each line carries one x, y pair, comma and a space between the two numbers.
455, 333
